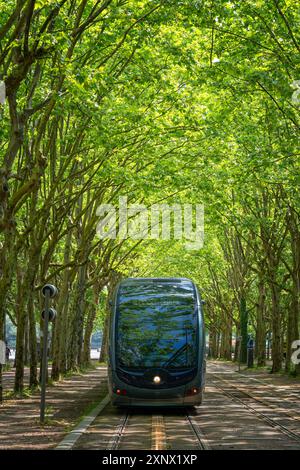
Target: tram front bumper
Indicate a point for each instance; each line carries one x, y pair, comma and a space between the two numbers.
164, 398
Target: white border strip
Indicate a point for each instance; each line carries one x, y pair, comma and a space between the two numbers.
70, 439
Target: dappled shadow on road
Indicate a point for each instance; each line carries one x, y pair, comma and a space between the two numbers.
227, 421
223, 419
66, 401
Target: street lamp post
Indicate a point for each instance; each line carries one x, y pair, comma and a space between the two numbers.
49, 292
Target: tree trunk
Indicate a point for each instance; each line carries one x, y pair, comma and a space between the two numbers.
33, 379
276, 330
87, 336
26, 343
60, 331
105, 336
226, 338
21, 319
7, 265
76, 323
244, 328
260, 342
214, 343
25, 289
237, 348
64, 338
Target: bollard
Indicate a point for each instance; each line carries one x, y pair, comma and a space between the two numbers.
250, 353
49, 292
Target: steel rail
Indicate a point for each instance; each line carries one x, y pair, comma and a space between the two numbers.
202, 441
273, 405
261, 415
119, 432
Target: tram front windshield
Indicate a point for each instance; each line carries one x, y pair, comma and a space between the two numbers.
157, 326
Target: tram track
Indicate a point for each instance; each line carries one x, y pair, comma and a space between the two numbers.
230, 392
167, 429
119, 432
201, 440
274, 405
160, 438
107, 427
271, 387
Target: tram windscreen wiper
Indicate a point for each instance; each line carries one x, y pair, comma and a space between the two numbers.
178, 353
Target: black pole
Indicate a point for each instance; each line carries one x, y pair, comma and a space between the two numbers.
239, 352
250, 353
45, 356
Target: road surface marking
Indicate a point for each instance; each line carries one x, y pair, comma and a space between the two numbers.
159, 438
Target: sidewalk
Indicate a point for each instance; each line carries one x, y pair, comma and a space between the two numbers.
8, 378
67, 401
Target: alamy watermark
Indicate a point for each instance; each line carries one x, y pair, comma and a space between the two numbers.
159, 221
295, 357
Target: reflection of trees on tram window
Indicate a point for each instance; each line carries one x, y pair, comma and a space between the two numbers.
157, 326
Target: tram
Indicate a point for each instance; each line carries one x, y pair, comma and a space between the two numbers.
156, 343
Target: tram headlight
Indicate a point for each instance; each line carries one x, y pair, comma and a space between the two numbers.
156, 379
